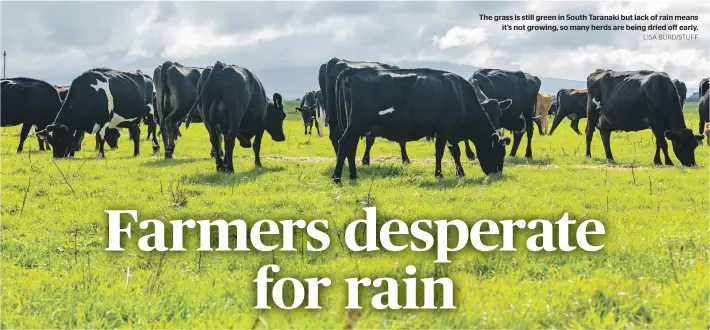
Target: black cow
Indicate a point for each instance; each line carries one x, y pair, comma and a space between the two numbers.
309, 108
571, 103
409, 104
232, 103
328, 77
703, 112
522, 89
634, 101
553, 108
704, 86
682, 91
99, 99
28, 102
176, 92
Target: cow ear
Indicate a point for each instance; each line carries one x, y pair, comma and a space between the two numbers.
505, 104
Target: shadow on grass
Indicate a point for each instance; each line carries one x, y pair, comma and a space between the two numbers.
453, 182
171, 162
367, 172
229, 179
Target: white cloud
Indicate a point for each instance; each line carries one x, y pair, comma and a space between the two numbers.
458, 36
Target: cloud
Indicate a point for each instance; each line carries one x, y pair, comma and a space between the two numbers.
56, 41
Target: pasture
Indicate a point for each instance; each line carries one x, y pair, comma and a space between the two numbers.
652, 272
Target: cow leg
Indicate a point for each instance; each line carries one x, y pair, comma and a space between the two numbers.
538, 122
517, 137
305, 129
334, 140
456, 153
591, 126
310, 129
369, 141
257, 148
346, 143
166, 140
661, 144
528, 149
318, 128
606, 137
403, 151
100, 146
544, 125
214, 140
439, 144
23, 135
41, 144
469, 152
575, 126
135, 134
228, 154
701, 128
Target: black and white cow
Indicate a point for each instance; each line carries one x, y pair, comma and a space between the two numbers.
233, 105
28, 102
520, 87
639, 100
309, 109
99, 99
328, 77
409, 104
176, 92
572, 104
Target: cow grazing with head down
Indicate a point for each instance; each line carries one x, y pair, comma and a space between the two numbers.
175, 92
572, 104
542, 107
233, 105
638, 100
28, 102
328, 79
522, 88
309, 108
99, 99
409, 104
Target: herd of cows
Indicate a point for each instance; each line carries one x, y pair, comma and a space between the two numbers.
355, 100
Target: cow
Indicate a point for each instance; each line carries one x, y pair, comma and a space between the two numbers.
572, 104
99, 99
152, 123
28, 102
308, 109
553, 108
542, 107
328, 77
176, 92
703, 112
682, 91
522, 89
320, 110
409, 104
634, 101
233, 105
704, 87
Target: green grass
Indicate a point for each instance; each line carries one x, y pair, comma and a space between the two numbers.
652, 272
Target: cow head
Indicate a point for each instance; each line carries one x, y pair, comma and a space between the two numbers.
60, 138
275, 116
493, 108
111, 137
684, 144
491, 152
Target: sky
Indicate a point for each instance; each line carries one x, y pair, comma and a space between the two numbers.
56, 41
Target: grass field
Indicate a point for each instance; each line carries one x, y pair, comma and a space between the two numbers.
652, 272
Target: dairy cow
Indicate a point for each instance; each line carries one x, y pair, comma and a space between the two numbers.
309, 108
634, 101
28, 102
571, 104
703, 111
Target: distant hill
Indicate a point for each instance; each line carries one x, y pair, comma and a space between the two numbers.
294, 81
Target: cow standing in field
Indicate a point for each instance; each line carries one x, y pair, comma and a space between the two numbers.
308, 109
522, 88
571, 103
28, 102
176, 92
328, 77
682, 91
703, 111
233, 105
634, 101
409, 104
542, 106
99, 99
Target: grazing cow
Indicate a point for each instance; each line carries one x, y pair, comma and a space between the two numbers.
409, 104
176, 92
634, 101
308, 108
682, 91
99, 99
233, 104
571, 103
522, 89
542, 106
553, 108
28, 102
328, 77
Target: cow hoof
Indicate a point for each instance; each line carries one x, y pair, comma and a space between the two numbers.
156, 149
438, 175
100, 156
19, 151
365, 161
336, 180
258, 165
136, 155
406, 161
